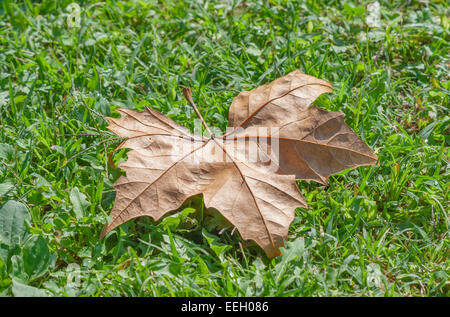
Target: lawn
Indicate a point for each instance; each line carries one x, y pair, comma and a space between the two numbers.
374, 231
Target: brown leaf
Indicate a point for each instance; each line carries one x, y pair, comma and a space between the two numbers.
314, 145
249, 173
277, 103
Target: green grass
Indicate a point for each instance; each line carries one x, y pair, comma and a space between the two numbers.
374, 231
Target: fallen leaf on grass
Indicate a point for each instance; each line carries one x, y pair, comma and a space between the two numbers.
249, 173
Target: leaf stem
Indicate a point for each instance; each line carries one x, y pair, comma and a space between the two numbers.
188, 95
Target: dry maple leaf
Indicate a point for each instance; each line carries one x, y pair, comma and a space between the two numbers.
249, 173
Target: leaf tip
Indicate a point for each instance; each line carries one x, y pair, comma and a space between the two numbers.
104, 232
